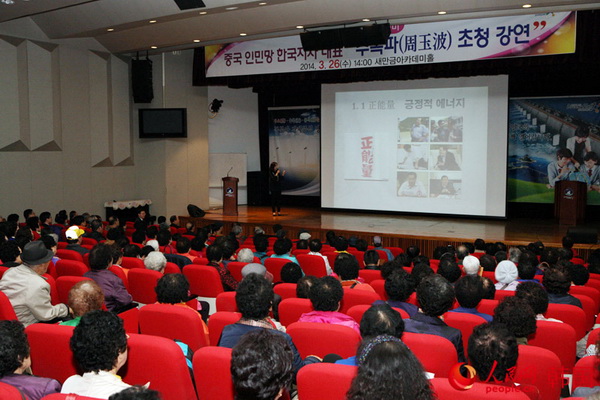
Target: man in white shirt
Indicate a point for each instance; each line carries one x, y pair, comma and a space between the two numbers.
412, 188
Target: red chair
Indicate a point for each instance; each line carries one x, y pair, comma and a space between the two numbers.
86, 259
464, 323
297, 252
319, 339
291, 309
312, 265
360, 257
439, 361
586, 373
51, 355
487, 306
593, 337
226, 302
396, 251
65, 254
589, 308
353, 297
501, 294
558, 338
132, 262
571, 315
357, 312
235, 268
64, 285
212, 373
174, 322
274, 265
218, 321
172, 268
53, 291
331, 256
118, 271
70, 268
369, 275
205, 280
131, 320
325, 381
4, 269
142, 283
379, 286
445, 391
8, 392
593, 283
147, 357
7, 312
490, 274
285, 290
88, 242
200, 260
589, 291
540, 368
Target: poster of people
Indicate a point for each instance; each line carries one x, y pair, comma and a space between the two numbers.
294, 142
553, 139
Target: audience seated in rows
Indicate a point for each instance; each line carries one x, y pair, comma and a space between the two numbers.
399, 286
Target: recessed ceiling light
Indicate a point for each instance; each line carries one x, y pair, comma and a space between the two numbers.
526, 5
243, 34
196, 40
262, 4
299, 26
110, 29
366, 20
442, 12
152, 21
153, 47
203, 12
231, 8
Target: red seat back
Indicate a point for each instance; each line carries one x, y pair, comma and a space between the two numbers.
489, 274
312, 264
70, 268
353, 297
7, 312
274, 265
439, 361
501, 294
593, 337
172, 268
369, 275
571, 315
64, 285
589, 308
173, 322
53, 291
360, 257
212, 373
65, 254
445, 391
589, 291
4, 269
142, 283
379, 286
320, 339
464, 323
235, 268
218, 321
487, 306
204, 280
285, 290
331, 256
291, 309
540, 368
200, 260
558, 338
356, 312
226, 302
8, 392
325, 381
118, 271
132, 262
586, 372
51, 355
88, 242
131, 320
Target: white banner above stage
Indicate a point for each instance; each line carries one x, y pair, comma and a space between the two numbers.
435, 42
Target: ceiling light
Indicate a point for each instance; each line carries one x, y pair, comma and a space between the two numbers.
243, 34
110, 29
299, 26
203, 12
152, 21
231, 8
196, 40
262, 4
526, 6
153, 47
366, 20
442, 13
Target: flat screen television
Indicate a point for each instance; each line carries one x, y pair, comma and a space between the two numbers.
163, 123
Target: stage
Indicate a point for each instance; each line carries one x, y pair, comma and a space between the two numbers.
398, 230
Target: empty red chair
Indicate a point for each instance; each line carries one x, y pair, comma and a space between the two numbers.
319, 339
235, 268
132, 262
312, 265
540, 368
65, 254
226, 302
7, 312
586, 373
291, 309
274, 265
200, 260
64, 285
70, 268
285, 290
558, 338
487, 306
589, 308
212, 373
131, 320
120, 272
589, 291
51, 354
369, 275
439, 361
142, 283
465, 323
593, 283
174, 322
445, 391
353, 297
379, 286
396, 251
571, 315
204, 280
325, 381
8, 392
218, 321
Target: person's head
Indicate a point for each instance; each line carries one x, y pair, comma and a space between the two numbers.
114, 233
387, 369
469, 291
567, 241
435, 295
557, 280
326, 294
471, 265
100, 257
513, 254
381, 319
449, 269
291, 272
78, 220
479, 244
420, 271
9, 251
214, 253
274, 166
506, 272
489, 288
304, 286
85, 296
14, 348
581, 134
399, 285
229, 247
461, 252
136, 393
412, 178
142, 214
346, 266
28, 213
12, 218
371, 257
245, 255
517, 315
590, 159
315, 245
361, 245
97, 226
563, 156
74, 234
183, 245
174, 220
535, 295
99, 342
113, 221
46, 218
36, 256
341, 243
261, 243
302, 244
549, 256
579, 274
261, 366
155, 261
172, 289
151, 231
163, 237
254, 297
282, 246
412, 251
493, 349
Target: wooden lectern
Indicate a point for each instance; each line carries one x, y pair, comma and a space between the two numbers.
230, 195
570, 198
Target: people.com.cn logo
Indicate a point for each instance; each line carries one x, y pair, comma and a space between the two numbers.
462, 376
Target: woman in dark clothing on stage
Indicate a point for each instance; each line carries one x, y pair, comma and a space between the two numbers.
275, 177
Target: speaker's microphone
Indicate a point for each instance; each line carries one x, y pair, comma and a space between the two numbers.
229, 171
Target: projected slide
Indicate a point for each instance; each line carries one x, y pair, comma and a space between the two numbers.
431, 146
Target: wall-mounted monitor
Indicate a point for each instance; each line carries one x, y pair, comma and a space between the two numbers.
163, 123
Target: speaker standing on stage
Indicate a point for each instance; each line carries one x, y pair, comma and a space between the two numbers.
275, 177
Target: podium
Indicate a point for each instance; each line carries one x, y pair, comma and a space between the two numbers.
230, 195
570, 198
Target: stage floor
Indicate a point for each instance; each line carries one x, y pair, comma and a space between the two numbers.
400, 228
